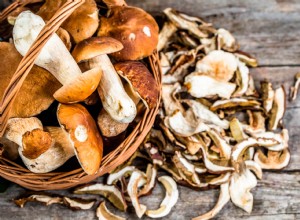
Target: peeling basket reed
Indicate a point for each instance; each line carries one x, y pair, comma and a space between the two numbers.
63, 180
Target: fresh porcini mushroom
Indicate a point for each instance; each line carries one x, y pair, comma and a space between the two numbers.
141, 81
184, 125
220, 142
278, 109
111, 3
132, 190
112, 193
114, 98
117, 176
108, 126
236, 130
274, 160
78, 203
81, 24
219, 65
255, 168
11, 18
164, 35
36, 92
77, 86
8, 149
235, 103
151, 174
226, 41
242, 79
267, 95
84, 135
239, 189
134, 28
104, 214
295, 88
200, 85
246, 58
41, 151
169, 201
223, 199
65, 37
203, 112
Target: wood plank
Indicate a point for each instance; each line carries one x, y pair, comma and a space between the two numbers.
277, 196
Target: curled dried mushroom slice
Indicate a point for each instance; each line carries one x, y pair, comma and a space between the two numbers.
151, 174
78, 203
226, 40
236, 130
274, 160
255, 168
267, 95
235, 103
220, 142
46, 199
246, 58
295, 88
242, 79
278, 109
104, 214
117, 176
165, 34
169, 201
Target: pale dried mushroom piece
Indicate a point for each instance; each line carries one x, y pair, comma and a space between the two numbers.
113, 178
294, 89
239, 189
255, 168
169, 201
165, 34
112, 193
257, 122
226, 40
221, 144
151, 174
246, 58
77, 86
235, 103
78, 203
165, 63
274, 160
221, 179
81, 24
278, 109
132, 190
171, 104
104, 214
242, 79
223, 199
236, 130
38, 197
200, 85
267, 95
219, 65
83, 132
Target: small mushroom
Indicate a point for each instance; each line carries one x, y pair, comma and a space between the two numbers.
278, 108
239, 189
81, 24
140, 80
76, 86
104, 214
274, 160
219, 65
200, 85
112, 193
134, 28
87, 142
169, 201
111, 91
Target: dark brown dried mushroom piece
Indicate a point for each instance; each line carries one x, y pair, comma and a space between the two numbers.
104, 214
169, 201
274, 160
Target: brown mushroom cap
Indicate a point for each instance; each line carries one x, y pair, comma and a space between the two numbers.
83, 132
36, 93
142, 81
95, 46
35, 143
135, 28
81, 24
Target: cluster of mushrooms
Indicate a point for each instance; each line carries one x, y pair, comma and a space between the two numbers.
94, 61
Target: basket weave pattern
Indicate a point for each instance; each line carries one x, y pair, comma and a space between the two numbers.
63, 180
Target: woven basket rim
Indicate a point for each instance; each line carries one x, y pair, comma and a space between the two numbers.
64, 180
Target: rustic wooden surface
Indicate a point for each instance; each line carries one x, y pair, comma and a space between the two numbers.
268, 29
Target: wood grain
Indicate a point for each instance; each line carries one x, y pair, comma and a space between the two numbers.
269, 30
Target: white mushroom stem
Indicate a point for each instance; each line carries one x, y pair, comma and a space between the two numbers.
54, 56
114, 98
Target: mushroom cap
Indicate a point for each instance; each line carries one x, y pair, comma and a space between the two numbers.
135, 28
79, 88
83, 132
95, 46
142, 81
36, 93
81, 24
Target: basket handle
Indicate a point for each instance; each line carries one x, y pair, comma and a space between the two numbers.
28, 60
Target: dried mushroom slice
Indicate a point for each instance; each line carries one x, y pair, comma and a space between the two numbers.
235, 103
154, 153
267, 95
236, 130
169, 201
220, 180
278, 109
255, 168
220, 142
226, 40
165, 34
295, 88
164, 63
151, 174
46, 199
246, 58
282, 139
113, 178
223, 199
104, 214
199, 85
132, 190
239, 189
171, 104
112, 193
242, 79
256, 122
78, 203
274, 160
219, 65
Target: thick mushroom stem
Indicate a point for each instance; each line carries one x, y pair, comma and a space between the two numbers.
114, 98
54, 56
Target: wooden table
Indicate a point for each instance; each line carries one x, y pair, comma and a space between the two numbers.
270, 30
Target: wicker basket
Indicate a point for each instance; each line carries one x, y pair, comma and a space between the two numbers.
63, 180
